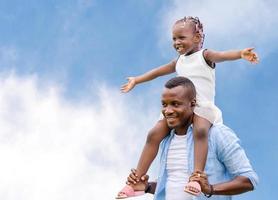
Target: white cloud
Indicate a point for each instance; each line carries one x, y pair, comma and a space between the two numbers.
51, 148
228, 24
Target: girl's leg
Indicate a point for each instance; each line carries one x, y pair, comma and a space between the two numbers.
201, 127
155, 136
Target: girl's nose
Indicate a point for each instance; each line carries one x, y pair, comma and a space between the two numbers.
177, 42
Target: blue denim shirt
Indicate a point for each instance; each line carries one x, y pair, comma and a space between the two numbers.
226, 159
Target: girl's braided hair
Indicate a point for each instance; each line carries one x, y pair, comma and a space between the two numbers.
196, 24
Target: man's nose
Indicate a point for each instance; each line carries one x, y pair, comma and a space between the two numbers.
168, 110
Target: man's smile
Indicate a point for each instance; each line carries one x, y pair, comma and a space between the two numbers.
171, 119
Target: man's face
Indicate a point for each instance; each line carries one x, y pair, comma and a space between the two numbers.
177, 108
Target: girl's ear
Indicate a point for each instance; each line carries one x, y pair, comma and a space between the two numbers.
197, 38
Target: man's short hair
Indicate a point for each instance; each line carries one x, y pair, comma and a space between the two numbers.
181, 81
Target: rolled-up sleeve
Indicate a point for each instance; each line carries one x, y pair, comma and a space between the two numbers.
233, 156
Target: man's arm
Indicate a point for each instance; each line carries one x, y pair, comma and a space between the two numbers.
238, 185
233, 156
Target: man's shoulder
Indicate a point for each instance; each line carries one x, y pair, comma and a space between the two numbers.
217, 128
220, 132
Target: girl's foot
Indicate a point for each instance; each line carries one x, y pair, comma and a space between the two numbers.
128, 191
193, 188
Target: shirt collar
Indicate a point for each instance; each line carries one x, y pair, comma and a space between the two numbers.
189, 130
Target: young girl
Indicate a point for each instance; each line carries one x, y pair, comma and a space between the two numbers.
198, 65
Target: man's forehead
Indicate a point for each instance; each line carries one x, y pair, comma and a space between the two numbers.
179, 91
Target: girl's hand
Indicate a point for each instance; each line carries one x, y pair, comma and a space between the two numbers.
249, 55
129, 85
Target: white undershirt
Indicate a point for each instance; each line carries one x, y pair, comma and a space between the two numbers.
177, 169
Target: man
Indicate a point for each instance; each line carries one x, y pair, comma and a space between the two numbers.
228, 170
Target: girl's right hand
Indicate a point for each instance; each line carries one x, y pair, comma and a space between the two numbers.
129, 85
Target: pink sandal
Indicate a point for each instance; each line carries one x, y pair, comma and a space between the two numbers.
195, 185
127, 192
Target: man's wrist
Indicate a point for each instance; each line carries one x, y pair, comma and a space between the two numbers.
208, 195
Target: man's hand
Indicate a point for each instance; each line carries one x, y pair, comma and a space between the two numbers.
129, 85
136, 183
249, 55
202, 179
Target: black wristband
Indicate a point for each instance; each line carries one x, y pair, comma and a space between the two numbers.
149, 188
211, 192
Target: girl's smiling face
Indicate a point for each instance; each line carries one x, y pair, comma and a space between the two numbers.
185, 40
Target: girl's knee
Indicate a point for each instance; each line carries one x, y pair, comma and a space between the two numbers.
200, 132
152, 137
157, 134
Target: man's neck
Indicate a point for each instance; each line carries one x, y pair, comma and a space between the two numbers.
182, 130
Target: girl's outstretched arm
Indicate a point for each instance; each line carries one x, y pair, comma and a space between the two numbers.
220, 56
150, 75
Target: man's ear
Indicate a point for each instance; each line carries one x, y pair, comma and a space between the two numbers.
193, 102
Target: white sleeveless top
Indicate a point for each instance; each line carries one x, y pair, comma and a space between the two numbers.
202, 75
177, 169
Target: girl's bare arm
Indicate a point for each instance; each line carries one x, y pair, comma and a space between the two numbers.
150, 75
220, 56
159, 71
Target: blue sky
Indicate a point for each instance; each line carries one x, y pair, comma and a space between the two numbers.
68, 132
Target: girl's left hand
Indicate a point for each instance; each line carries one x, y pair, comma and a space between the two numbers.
249, 55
